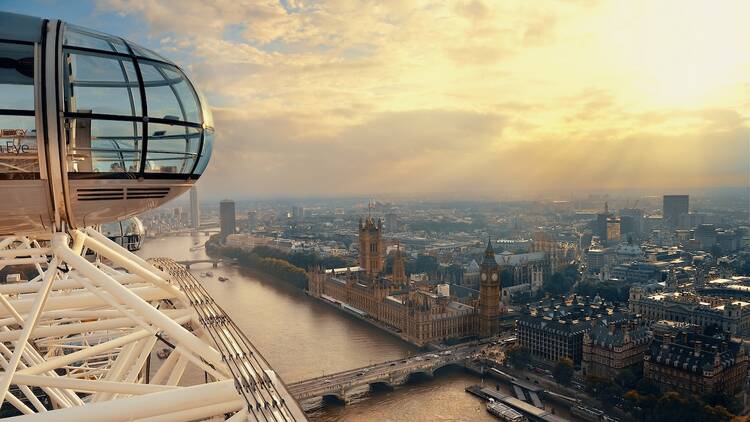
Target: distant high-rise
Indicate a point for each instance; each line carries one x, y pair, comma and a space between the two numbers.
298, 213
613, 229
673, 207
195, 212
391, 222
252, 220
600, 225
631, 222
227, 222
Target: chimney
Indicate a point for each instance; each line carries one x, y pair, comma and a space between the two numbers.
667, 339
698, 347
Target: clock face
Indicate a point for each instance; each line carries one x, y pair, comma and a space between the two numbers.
484, 276
494, 277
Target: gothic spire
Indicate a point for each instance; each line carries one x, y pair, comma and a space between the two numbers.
489, 255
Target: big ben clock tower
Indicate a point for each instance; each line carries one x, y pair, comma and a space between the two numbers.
489, 293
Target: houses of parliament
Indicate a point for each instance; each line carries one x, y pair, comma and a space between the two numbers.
412, 310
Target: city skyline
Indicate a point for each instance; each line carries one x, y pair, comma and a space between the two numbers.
468, 97
409, 203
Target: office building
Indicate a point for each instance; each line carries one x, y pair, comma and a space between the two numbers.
692, 363
631, 223
391, 222
732, 316
705, 235
640, 272
610, 348
613, 230
600, 225
596, 257
673, 208
227, 218
195, 212
252, 220
298, 213
553, 329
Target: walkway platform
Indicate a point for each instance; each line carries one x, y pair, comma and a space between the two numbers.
533, 412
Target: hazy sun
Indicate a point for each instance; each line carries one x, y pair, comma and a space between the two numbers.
681, 54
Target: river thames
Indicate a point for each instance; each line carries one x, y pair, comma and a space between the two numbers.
304, 338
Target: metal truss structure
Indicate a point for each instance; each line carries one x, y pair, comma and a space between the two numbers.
79, 340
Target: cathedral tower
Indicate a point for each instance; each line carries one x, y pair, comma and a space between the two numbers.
399, 271
371, 254
489, 293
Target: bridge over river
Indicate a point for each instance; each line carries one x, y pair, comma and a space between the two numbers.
187, 263
396, 372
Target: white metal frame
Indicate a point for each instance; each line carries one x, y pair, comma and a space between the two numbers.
78, 341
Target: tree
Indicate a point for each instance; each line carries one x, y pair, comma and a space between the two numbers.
629, 377
423, 264
563, 371
518, 356
506, 276
561, 281
716, 251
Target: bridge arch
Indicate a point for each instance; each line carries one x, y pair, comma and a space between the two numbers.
419, 375
381, 385
333, 398
444, 365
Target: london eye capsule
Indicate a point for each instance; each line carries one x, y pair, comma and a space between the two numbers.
93, 128
127, 233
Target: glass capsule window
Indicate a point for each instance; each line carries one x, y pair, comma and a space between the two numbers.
128, 233
18, 139
129, 112
172, 148
101, 84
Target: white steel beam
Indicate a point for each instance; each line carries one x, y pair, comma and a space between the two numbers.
133, 263
85, 300
59, 361
144, 406
59, 240
148, 312
198, 413
89, 386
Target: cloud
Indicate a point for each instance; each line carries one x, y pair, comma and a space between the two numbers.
342, 98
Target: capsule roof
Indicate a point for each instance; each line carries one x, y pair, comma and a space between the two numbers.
82, 109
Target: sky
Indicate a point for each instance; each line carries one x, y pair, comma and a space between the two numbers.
467, 98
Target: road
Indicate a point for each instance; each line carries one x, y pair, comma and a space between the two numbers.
391, 373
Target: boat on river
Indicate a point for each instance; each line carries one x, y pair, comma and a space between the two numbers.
505, 413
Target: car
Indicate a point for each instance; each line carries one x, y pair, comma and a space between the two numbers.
393, 364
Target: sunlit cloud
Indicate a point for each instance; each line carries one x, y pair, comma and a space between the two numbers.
410, 97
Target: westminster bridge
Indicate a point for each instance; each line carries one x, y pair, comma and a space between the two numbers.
343, 385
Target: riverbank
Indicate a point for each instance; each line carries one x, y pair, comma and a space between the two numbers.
303, 338
366, 318
291, 266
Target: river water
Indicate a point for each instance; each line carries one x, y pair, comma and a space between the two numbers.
303, 338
